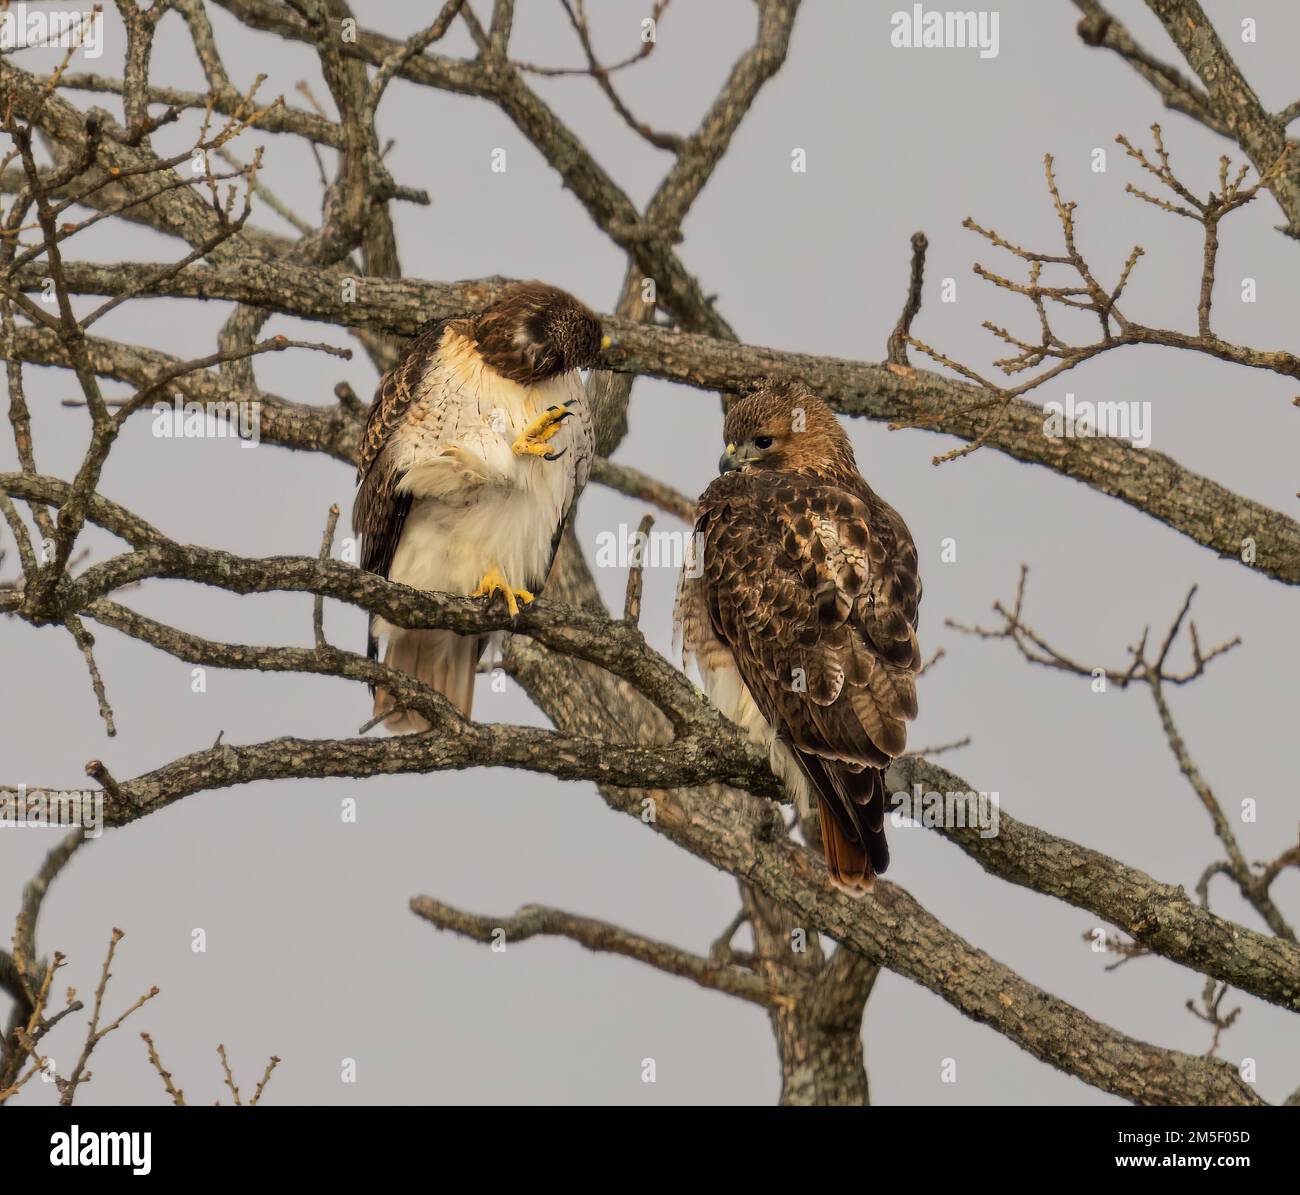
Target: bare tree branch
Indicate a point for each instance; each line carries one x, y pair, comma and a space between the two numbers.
1225, 101
537, 920
1148, 480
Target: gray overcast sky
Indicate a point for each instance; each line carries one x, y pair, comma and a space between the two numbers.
311, 951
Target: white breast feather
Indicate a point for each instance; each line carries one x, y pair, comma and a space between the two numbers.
479, 506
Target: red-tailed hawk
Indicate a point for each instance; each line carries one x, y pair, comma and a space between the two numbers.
477, 446
802, 620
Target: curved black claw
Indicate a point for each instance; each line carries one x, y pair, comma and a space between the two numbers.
554, 456
562, 413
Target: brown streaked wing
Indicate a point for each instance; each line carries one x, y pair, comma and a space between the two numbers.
815, 589
379, 511
396, 391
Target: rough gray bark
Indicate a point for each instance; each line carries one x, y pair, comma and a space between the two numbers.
1151, 482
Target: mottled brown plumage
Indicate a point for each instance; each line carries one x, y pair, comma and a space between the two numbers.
803, 620
477, 446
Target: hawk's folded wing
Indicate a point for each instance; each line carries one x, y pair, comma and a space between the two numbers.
380, 510
815, 589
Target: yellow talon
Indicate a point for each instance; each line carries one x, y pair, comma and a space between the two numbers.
493, 583
533, 440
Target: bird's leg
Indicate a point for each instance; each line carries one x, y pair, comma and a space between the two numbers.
533, 439
493, 583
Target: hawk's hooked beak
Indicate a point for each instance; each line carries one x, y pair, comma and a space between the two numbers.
737, 457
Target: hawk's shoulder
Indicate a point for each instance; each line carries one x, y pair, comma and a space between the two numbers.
380, 509
397, 390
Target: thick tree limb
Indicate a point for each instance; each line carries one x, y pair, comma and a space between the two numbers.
1225, 102
1204, 511
1099, 28
888, 928
1162, 917
495, 79
1158, 915
905, 937
1260, 135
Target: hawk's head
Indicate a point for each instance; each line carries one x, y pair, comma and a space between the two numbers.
787, 428
535, 332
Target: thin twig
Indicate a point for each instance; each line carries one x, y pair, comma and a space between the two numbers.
898, 339
635, 577
318, 602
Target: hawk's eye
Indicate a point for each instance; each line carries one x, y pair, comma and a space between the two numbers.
763, 442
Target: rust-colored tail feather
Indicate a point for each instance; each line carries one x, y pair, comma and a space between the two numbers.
443, 660
846, 860
851, 812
